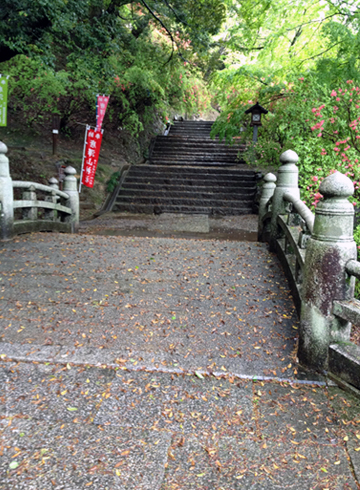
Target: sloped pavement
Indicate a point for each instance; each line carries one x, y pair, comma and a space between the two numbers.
160, 363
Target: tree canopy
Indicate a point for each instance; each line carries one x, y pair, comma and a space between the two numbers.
45, 27
151, 55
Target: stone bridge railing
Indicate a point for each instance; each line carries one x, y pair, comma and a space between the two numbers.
319, 254
27, 206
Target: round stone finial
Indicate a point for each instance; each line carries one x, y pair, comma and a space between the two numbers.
53, 181
70, 170
289, 156
270, 178
337, 185
3, 147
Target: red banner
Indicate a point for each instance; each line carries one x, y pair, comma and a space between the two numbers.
102, 102
91, 156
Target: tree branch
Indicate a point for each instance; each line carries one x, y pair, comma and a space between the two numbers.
176, 15
319, 54
164, 26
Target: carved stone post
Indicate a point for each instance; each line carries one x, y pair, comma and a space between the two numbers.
6, 196
325, 279
70, 187
54, 183
30, 213
49, 214
288, 177
267, 193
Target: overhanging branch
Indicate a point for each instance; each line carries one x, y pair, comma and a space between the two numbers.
164, 26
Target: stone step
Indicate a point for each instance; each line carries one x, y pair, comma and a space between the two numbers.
189, 125
202, 163
184, 209
186, 193
192, 134
187, 148
195, 156
231, 172
210, 201
188, 181
191, 153
183, 143
193, 129
227, 189
195, 143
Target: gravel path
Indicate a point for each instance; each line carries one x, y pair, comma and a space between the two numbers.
160, 363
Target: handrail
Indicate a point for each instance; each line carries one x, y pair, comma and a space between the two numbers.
302, 210
40, 187
41, 204
352, 267
291, 234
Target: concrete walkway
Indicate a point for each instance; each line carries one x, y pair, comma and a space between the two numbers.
134, 362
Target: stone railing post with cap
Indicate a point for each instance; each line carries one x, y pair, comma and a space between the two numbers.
48, 213
70, 187
6, 196
328, 250
268, 190
287, 181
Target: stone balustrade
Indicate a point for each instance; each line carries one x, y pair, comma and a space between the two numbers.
318, 253
26, 207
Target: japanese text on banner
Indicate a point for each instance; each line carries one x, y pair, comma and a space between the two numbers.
3, 100
91, 156
102, 102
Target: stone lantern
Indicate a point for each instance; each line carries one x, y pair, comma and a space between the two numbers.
256, 111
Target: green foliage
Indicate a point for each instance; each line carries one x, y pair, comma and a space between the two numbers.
60, 54
112, 182
319, 123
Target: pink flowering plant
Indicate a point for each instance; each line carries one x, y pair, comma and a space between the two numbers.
321, 124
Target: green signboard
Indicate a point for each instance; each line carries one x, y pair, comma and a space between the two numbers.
3, 100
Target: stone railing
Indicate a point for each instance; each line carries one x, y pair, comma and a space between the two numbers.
27, 206
318, 253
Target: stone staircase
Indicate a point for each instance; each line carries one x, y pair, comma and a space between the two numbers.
189, 142
188, 173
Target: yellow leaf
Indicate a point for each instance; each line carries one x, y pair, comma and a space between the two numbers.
346, 438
